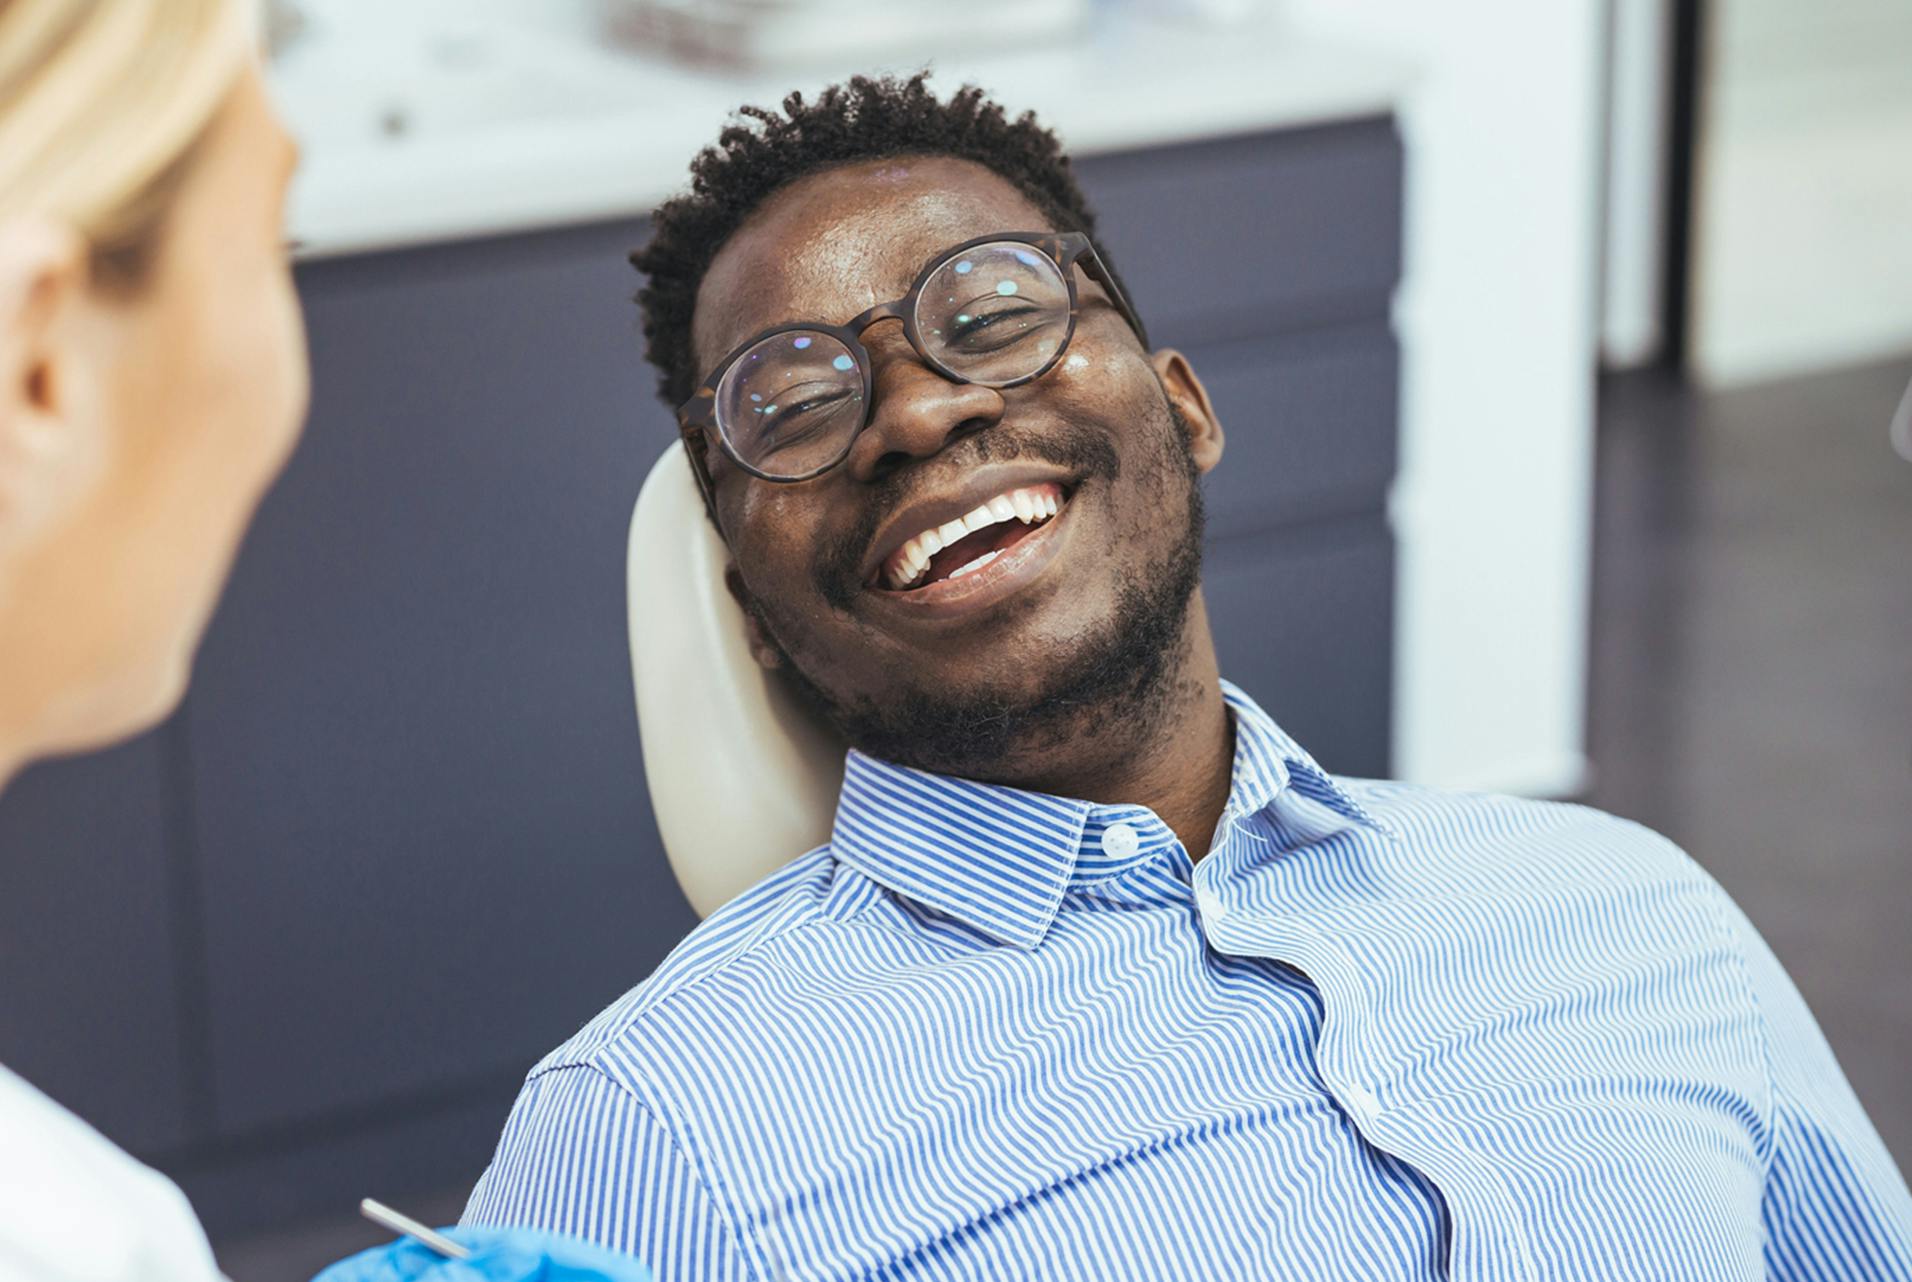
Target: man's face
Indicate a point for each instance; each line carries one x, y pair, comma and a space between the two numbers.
1076, 627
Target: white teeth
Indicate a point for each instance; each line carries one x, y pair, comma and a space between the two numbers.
909, 563
1030, 506
977, 564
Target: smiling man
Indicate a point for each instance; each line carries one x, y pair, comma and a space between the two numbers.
1100, 975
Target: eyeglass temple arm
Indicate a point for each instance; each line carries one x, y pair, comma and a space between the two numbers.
694, 445
1100, 273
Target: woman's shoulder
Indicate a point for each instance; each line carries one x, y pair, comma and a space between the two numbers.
79, 1208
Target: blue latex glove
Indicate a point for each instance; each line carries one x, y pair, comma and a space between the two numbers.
497, 1255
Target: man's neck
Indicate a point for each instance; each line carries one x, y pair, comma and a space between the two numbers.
1184, 767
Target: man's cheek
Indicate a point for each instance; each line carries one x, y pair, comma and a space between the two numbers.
1101, 369
757, 512
1084, 389
816, 633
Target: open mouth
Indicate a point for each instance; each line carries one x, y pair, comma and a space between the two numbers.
970, 543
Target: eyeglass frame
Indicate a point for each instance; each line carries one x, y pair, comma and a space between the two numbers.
697, 417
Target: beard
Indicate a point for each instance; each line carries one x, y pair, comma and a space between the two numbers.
1120, 682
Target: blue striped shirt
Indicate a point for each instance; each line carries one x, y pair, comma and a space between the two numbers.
1377, 1031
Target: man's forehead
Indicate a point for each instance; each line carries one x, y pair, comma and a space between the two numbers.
833, 244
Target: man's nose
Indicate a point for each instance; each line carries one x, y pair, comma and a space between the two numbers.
918, 412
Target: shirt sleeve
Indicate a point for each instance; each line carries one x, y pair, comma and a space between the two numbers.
582, 1155
1836, 1206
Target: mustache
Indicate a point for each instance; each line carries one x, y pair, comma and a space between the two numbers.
1082, 450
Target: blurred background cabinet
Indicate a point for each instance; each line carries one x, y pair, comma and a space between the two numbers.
302, 943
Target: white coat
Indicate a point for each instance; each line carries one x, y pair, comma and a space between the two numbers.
73, 1208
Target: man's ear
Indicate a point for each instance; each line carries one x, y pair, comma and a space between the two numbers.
762, 649
1190, 399
46, 450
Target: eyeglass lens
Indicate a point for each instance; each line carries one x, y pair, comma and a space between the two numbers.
991, 314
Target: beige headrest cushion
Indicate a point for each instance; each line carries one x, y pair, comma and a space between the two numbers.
742, 778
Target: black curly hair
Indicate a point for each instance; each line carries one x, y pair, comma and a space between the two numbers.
867, 119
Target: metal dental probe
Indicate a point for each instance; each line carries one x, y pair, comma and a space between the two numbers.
406, 1226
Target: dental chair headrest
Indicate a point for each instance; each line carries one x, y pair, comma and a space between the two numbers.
743, 779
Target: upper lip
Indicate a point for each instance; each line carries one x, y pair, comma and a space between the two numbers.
977, 487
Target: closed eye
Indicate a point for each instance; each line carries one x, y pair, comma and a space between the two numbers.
998, 321
800, 411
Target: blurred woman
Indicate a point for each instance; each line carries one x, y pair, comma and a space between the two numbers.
152, 384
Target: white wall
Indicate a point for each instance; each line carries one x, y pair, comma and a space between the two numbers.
1498, 322
1639, 88
1802, 238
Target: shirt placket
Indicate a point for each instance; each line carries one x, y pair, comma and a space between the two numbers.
1487, 1232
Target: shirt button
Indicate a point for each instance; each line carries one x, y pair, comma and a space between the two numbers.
1120, 840
1213, 909
1364, 1104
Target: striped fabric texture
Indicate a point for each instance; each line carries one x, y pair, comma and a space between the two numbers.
1377, 1031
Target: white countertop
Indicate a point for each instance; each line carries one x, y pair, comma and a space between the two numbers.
510, 128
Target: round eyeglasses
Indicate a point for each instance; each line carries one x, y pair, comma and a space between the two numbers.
788, 404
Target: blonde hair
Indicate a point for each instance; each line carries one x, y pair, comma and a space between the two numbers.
101, 105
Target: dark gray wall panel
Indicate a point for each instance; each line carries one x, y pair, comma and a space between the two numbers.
1309, 425
426, 846
1249, 235
1302, 623
89, 997
408, 1148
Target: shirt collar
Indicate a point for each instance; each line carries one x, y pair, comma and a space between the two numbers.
1267, 760
1001, 859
